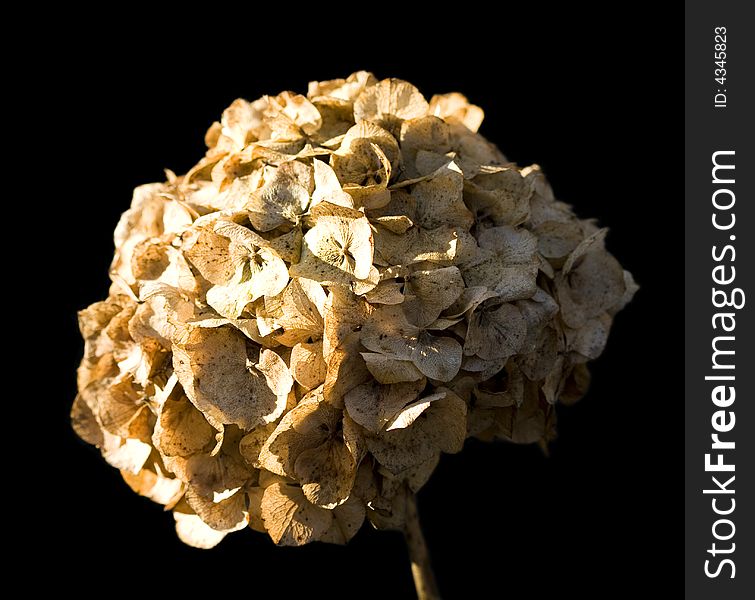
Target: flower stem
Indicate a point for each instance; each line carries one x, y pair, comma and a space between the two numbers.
424, 579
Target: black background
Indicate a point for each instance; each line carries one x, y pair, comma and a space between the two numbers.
596, 104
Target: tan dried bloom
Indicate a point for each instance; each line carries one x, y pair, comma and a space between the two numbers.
346, 286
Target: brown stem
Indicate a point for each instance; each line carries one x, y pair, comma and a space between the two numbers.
424, 579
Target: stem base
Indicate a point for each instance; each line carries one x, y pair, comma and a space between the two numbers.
424, 579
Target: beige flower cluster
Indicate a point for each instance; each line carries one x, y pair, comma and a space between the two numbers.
347, 285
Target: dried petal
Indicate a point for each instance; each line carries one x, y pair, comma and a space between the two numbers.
290, 519
360, 157
390, 370
347, 520
440, 201
389, 102
328, 188
429, 293
194, 532
212, 366
441, 427
372, 405
282, 199
496, 331
298, 311
337, 250
307, 364
155, 485
182, 430
455, 108
591, 282
227, 515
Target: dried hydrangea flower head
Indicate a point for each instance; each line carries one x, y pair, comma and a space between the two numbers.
349, 284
